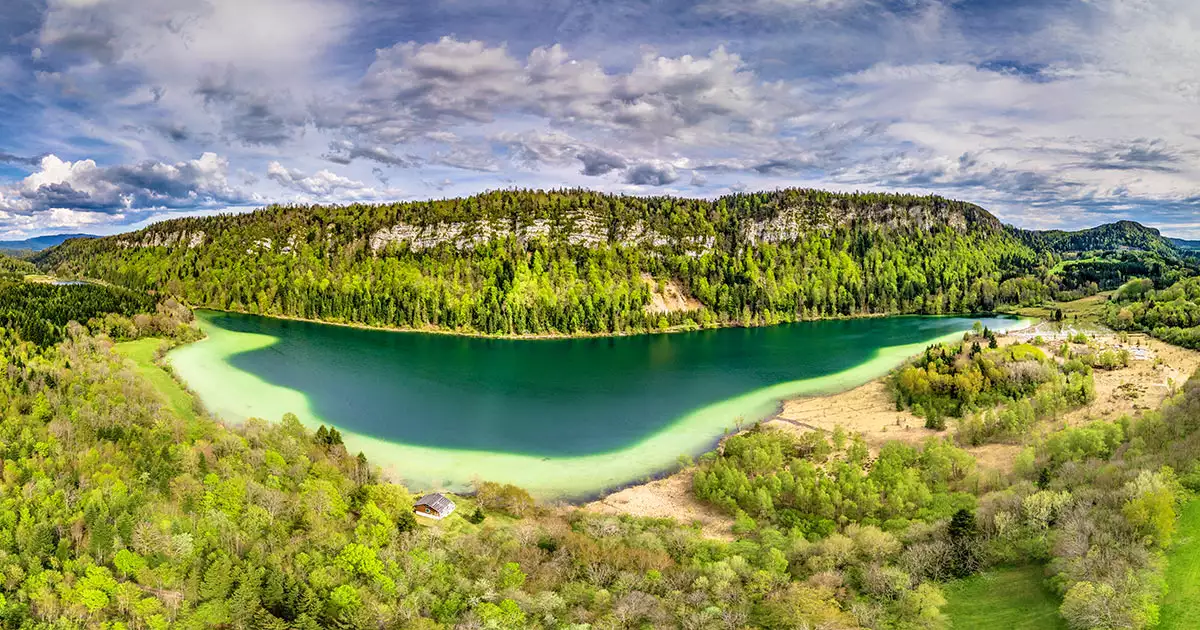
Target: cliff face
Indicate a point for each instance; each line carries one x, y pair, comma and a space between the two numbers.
688, 227
790, 222
524, 262
582, 229
149, 238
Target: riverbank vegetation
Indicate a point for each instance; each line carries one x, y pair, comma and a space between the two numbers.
119, 512
124, 510
1171, 314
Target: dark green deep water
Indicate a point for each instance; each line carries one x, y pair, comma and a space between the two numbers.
550, 398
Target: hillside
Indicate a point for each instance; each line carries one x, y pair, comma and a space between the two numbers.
535, 262
1119, 236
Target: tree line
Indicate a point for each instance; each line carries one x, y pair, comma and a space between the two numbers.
317, 262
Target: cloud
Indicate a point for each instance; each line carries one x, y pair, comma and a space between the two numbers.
325, 185
1059, 114
83, 185
651, 174
10, 72
776, 8
598, 162
254, 117
411, 90
8, 158
344, 152
236, 69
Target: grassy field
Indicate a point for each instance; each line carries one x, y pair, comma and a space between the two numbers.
1086, 310
1063, 264
142, 353
1181, 606
1004, 599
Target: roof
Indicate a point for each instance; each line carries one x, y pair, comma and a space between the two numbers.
437, 501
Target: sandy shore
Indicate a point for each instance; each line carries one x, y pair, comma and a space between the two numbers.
1155, 372
670, 497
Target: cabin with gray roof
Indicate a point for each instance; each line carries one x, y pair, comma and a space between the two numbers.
435, 506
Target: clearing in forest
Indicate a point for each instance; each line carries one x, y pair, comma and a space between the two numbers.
1003, 599
1181, 606
142, 352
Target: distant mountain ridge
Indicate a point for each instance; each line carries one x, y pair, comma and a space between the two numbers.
1184, 244
39, 243
1120, 235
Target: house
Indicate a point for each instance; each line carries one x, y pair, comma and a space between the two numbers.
434, 505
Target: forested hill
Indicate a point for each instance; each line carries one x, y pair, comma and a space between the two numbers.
1122, 235
575, 261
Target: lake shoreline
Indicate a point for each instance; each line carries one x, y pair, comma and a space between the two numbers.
668, 494
567, 479
434, 330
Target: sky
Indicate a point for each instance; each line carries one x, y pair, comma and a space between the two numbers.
1049, 113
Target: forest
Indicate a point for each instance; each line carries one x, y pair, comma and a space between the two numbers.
1083, 275
1112, 237
41, 313
118, 513
1171, 314
570, 261
1096, 504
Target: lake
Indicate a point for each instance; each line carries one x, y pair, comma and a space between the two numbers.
564, 418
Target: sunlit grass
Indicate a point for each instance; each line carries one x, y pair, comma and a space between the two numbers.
142, 352
1003, 599
1181, 606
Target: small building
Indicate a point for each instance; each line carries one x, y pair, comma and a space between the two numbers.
435, 505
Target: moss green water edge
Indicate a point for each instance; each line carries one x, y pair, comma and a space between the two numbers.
235, 395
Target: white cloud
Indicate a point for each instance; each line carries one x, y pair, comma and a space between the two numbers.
1088, 110
325, 185
85, 186
411, 90
651, 174
239, 69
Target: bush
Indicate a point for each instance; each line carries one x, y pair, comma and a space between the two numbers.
505, 498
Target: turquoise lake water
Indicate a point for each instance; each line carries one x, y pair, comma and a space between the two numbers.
444, 410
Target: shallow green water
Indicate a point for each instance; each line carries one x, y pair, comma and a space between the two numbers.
564, 418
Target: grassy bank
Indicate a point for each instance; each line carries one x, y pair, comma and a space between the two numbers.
1181, 606
142, 352
1004, 599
